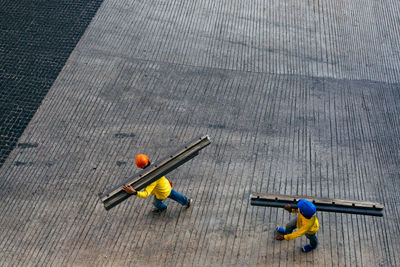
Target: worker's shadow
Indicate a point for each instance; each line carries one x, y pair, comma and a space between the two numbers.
170, 215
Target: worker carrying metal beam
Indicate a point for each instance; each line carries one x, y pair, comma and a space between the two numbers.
322, 204
161, 189
153, 173
306, 224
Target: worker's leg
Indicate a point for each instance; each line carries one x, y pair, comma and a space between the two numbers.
159, 204
313, 243
291, 226
181, 199
313, 240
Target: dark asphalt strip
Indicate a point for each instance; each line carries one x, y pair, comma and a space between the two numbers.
36, 39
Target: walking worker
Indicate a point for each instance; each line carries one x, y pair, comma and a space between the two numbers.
306, 224
161, 189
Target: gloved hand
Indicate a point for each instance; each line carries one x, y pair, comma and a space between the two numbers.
279, 237
129, 189
288, 208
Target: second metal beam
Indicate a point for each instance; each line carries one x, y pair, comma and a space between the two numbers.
322, 204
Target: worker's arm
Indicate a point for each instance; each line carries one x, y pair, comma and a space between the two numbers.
301, 231
129, 189
147, 191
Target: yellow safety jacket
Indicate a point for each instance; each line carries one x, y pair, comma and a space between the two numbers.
160, 188
304, 226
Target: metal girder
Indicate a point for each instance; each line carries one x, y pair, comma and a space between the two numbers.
155, 171
322, 204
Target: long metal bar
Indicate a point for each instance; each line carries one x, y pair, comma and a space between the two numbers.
322, 204
155, 171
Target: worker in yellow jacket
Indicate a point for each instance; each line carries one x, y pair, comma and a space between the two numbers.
161, 189
306, 224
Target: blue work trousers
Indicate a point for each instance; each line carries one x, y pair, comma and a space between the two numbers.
181, 199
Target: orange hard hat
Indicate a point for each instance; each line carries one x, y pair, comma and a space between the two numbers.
142, 161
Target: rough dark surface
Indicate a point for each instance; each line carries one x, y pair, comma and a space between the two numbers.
36, 39
298, 98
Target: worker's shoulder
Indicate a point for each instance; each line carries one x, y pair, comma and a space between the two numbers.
161, 180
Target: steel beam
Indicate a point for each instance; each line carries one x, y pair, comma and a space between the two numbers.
322, 204
155, 171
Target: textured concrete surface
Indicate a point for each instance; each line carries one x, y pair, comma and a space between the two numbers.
297, 98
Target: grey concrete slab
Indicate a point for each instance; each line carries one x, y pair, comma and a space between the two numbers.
336, 39
279, 124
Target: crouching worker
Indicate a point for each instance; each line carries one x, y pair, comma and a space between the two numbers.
306, 224
161, 189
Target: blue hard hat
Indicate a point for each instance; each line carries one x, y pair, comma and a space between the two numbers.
306, 208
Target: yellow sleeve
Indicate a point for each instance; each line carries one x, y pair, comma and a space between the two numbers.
301, 231
147, 191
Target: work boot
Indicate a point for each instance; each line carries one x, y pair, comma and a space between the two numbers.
190, 201
307, 248
280, 230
